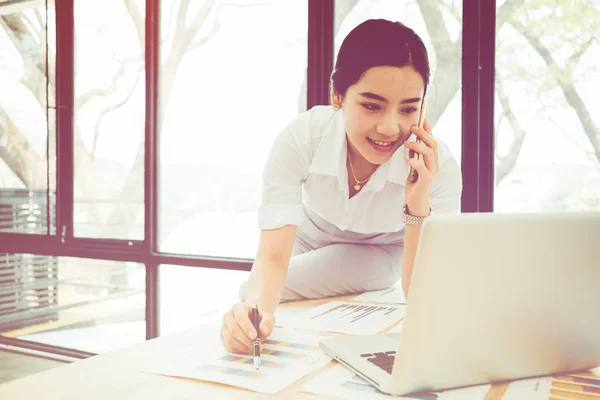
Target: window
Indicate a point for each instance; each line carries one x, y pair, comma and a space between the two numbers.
546, 108
109, 119
232, 76
27, 129
89, 305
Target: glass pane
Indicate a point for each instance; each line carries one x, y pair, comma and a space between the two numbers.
546, 107
439, 24
26, 136
191, 296
90, 305
229, 85
109, 119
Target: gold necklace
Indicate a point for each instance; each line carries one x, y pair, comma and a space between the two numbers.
358, 184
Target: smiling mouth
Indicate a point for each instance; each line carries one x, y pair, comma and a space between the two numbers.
382, 143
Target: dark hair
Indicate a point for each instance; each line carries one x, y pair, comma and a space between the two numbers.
374, 43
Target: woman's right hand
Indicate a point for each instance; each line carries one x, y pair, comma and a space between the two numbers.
237, 331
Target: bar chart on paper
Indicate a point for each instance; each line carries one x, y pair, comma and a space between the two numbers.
583, 386
286, 356
345, 317
576, 386
391, 295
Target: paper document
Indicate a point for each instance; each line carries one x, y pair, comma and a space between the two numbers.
392, 295
397, 328
336, 316
531, 389
585, 385
286, 357
338, 381
477, 392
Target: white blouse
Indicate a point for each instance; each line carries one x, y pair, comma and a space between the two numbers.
306, 167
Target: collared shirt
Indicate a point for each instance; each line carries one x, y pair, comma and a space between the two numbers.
306, 168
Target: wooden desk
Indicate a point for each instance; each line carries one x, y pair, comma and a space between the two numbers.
116, 375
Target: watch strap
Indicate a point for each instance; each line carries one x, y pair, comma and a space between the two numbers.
410, 219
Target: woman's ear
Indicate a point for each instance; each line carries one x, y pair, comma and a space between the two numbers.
336, 99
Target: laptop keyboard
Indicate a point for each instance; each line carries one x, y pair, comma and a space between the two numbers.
385, 361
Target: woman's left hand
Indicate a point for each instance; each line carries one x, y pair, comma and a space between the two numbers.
417, 194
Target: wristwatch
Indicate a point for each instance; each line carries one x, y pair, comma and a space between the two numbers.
413, 219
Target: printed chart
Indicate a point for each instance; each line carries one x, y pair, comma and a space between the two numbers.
585, 385
579, 386
392, 295
353, 318
286, 357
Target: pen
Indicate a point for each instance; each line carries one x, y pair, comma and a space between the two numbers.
256, 344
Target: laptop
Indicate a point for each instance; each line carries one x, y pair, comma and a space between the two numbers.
493, 297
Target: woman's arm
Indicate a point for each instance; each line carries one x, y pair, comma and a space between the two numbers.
418, 194
444, 199
411, 240
267, 278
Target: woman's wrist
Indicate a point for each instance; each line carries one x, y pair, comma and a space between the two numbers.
419, 204
418, 209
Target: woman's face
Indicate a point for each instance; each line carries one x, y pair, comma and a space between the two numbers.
380, 109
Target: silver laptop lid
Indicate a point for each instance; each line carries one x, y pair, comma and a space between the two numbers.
501, 296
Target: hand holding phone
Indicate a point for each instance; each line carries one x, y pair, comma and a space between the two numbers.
414, 175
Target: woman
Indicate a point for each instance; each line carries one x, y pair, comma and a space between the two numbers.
339, 214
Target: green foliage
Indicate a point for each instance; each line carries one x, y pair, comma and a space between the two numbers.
567, 29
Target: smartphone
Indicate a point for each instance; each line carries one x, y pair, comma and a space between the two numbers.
414, 175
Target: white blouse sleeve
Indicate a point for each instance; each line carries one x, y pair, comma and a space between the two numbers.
447, 188
283, 175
